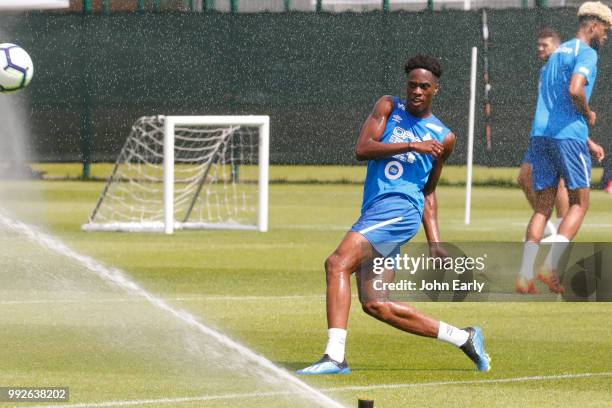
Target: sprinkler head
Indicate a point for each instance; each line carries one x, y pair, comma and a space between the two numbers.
365, 403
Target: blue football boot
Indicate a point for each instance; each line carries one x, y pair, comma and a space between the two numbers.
326, 366
474, 348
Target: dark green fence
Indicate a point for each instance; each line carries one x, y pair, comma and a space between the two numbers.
250, 6
316, 75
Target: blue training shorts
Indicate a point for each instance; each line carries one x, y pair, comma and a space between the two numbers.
389, 223
555, 158
528, 158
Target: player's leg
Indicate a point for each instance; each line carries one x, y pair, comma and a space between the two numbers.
352, 251
401, 315
544, 203
562, 208
409, 319
578, 206
356, 253
355, 249
525, 182
545, 180
575, 161
339, 266
561, 202
576, 168
384, 242
535, 231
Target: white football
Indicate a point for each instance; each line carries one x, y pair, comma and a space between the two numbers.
16, 68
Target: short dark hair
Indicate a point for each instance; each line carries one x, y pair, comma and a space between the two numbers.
427, 62
548, 32
587, 18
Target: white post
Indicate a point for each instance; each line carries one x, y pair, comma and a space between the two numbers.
467, 4
168, 175
470, 149
264, 164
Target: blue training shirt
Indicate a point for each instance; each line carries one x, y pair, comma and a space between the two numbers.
407, 173
556, 115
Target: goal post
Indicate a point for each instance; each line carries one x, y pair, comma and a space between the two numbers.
188, 172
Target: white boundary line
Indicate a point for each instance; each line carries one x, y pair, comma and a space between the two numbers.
170, 299
334, 389
128, 403
471, 382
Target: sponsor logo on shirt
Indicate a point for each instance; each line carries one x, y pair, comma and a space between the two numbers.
564, 50
394, 170
401, 135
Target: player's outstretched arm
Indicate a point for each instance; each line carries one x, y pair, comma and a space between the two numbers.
430, 212
368, 145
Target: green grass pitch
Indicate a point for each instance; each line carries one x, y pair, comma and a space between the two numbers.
266, 290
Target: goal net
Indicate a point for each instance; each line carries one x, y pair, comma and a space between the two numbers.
188, 172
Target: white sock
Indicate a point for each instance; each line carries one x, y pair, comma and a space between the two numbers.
558, 223
559, 243
530, 252
549, 229
451, 334
336, 338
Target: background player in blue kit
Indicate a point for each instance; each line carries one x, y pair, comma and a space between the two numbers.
548, 42
559, 139
406, 147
